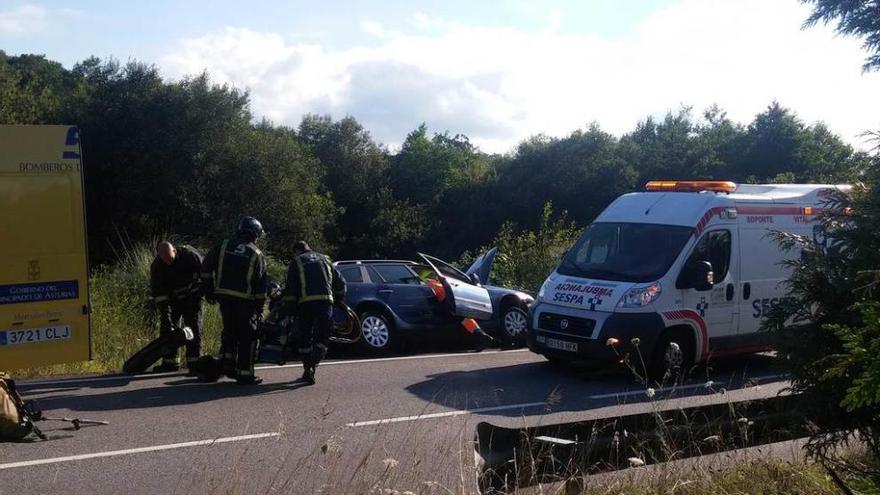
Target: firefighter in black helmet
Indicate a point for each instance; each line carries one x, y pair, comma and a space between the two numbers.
234, 274
174, 284
313, 284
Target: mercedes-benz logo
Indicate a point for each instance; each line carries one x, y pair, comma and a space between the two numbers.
563, 324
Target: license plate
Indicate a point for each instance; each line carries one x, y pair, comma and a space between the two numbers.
35, 335
561, 345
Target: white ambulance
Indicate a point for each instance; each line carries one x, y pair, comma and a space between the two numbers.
687, 267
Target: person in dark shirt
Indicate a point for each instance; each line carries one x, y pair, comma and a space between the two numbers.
176, 291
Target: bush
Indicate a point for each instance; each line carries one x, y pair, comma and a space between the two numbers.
526, 257
833, 349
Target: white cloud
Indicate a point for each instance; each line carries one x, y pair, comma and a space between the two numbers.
23, 19
500, 85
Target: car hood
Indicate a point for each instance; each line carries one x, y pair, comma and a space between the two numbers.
584, 293
482, 266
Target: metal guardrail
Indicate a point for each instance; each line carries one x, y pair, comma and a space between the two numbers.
509, 458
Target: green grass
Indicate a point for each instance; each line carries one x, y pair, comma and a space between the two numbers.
759, 477
123, 319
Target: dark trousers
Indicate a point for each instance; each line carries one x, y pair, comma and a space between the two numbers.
190, 311
315, 319
240, 320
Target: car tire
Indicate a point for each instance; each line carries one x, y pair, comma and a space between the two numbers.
514, 326
672, 359
376, 333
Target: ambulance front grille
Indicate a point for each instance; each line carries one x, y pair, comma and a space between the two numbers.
567, 324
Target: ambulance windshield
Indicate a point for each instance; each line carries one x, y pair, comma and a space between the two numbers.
625, 252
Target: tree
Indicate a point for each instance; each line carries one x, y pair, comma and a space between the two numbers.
860, 18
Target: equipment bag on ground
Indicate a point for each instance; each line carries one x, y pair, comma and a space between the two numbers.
15, 423
152, 352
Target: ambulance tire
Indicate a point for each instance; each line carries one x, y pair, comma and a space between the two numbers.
141, 360
672, 358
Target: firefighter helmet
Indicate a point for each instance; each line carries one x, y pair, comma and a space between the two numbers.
250, 226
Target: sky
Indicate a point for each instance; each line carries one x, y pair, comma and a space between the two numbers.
497, 71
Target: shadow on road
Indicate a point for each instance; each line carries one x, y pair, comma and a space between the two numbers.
164, 395
565, 389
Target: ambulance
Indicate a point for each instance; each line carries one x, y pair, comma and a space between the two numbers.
44, 292
686, 267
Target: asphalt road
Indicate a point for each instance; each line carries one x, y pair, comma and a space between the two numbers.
402, 423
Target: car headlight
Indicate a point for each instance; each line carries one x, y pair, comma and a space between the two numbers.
543, 289
640, 296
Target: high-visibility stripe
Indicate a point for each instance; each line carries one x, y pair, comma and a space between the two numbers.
304, 350
250, 272
244, 373
220, 264
302, 276
159, 299
207, 275
188, 288
318, 297
234, 293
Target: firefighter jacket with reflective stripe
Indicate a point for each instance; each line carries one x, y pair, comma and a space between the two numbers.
237, 268
177, 281
311, 276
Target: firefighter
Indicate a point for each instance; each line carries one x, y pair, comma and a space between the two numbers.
313, 284
234, 274
174, 284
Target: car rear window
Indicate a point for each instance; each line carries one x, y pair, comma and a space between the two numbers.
393, 274
352, 274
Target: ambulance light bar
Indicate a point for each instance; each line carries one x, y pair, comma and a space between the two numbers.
690, 186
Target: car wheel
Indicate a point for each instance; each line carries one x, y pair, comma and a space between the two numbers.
514, 326
375, 333
672, 359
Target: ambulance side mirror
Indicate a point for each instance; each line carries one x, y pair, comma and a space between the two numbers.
703, 276
698, 276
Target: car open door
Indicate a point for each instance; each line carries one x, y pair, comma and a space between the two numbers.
482, 266
468, 300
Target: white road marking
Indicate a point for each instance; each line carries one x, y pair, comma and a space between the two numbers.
674, 388
446, 414
97, 379
140, 450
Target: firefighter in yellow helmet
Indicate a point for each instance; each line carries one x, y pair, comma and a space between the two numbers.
234, 274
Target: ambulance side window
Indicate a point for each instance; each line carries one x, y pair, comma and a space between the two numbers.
714, 247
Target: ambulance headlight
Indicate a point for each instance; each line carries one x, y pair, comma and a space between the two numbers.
640, 296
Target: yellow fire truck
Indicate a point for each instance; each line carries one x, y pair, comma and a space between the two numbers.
44, 292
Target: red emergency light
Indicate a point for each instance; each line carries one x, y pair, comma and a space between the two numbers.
690, 186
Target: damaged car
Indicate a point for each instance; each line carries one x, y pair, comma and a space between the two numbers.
400, 301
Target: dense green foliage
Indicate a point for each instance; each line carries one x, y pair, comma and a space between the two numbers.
833, 350
860, 18
187, 157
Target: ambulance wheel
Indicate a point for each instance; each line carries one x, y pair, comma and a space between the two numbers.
672, 359
376, 332
514, 326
